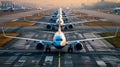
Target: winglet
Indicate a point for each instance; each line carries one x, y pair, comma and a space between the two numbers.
3, 32
116, 33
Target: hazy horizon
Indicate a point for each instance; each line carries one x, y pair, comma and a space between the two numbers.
57, 3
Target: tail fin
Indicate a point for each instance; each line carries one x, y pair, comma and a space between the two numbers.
60, 10
59, 13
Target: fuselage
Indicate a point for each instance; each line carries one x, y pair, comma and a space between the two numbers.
59, 40
60, 21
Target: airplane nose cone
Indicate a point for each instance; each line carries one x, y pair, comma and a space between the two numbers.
58, 43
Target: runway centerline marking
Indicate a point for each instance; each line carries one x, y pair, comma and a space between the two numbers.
101, 41
59, 59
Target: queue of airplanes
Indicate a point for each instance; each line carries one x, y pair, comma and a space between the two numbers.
59, 20
55, 16
59, 40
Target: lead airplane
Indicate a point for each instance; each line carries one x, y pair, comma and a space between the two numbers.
59, 41
53, 26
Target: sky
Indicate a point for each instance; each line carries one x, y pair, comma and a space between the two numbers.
59, 3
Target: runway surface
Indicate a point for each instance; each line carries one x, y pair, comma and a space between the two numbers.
109, 17
15, 16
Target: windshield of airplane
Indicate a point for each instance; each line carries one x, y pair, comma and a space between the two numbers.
58, 39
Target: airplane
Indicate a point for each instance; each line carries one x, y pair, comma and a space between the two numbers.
59, 41
12, 8
56, 15
60, 9
117, 9
54, 26
9, 8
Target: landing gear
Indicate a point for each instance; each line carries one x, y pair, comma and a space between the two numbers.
47, 49
55, 28
65, 28
70, 49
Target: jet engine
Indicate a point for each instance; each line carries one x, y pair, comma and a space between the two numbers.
78, 46
49, 27
39, 46
69, 26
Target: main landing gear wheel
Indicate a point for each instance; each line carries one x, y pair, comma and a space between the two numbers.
47, 49
70, 49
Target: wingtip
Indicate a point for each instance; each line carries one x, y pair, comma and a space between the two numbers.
117, 30
3, 32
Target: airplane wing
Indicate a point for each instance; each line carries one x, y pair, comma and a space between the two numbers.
52, 32
45, 23
90, 39
82, 21
55, 24
31, 39
96, 38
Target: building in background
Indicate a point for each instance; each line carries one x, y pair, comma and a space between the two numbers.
7, 6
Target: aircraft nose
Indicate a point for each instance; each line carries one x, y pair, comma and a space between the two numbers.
58, 43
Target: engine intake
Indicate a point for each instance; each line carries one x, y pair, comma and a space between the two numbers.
70, 26
49, 27
39, 46
78, 46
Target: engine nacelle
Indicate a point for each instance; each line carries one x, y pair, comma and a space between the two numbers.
39, 46
78, 46
49, 27
70, 27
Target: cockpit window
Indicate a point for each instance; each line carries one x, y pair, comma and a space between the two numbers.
58, 39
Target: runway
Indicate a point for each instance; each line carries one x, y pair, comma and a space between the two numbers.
110, 17
99, 50
98, 53
15, 16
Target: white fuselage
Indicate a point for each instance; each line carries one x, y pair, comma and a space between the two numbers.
60, 22
59, 39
